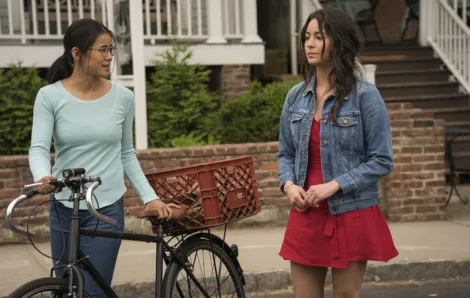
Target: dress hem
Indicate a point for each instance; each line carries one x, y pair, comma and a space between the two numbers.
355, 259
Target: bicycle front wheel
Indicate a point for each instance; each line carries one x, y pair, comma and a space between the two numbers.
224, 280
48, 286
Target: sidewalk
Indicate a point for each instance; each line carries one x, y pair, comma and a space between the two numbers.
428, 250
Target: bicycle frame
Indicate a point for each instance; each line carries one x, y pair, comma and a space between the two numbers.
78, 259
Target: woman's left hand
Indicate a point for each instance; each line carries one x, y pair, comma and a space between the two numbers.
320, 192
163, 210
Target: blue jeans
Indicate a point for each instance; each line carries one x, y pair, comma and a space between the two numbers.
102, 252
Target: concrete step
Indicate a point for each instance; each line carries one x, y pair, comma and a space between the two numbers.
414, 75
433, 101
408, 51
418, 88
452, 114
401, 62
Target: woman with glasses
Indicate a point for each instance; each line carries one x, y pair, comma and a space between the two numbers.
90, 119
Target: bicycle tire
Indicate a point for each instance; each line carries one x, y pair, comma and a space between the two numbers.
42, 284
187, 248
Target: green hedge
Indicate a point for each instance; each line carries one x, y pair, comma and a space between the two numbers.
18, 89
178, 101
254, 116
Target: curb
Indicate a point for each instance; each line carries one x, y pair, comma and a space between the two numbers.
281, 279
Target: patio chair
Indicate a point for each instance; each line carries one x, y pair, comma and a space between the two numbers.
412, 17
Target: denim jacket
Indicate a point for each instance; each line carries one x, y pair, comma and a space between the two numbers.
358, 148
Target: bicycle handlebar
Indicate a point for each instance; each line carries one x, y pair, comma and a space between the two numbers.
89, 204
69, 180
10, 208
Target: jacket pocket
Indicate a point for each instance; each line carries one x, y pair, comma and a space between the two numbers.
295, 120
345, 132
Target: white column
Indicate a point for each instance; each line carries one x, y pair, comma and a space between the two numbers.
138, 70
424, 22
214, 14
370, 72
306, 7
250, 22
294, 37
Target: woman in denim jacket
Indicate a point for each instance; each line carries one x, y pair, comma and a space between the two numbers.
334, 145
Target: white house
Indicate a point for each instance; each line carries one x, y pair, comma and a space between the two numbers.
221, 32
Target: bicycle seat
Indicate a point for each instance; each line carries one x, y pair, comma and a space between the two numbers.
176, 214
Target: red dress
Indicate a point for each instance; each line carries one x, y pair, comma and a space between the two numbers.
315, 237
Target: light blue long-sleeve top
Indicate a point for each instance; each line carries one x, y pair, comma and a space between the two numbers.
92, 134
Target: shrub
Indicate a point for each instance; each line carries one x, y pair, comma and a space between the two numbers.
18, 89
178, 101
254, 116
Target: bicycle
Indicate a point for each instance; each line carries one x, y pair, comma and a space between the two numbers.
176, 257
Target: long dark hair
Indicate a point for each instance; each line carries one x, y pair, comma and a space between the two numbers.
345, 46
82, 35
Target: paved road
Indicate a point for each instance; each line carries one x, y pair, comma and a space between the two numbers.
441, 289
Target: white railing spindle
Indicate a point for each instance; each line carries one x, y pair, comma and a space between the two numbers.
169, 18
237, 18
69, 12
188, 17
147, 20
199, 18
179, 13
226, 17
58, 18
92, 9
159, 19
103, 12
80, 9
46, 16
23, 29
10, 18
35, 17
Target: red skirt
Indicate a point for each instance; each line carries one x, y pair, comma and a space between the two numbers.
315, 237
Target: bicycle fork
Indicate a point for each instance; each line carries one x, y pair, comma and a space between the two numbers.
159, 263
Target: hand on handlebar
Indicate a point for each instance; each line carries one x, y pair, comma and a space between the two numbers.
164, 210
46, 188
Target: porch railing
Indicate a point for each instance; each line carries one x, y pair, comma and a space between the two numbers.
213, 21
445, 26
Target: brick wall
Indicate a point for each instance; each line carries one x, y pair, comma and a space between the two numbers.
416, 187
415, 190
235, 80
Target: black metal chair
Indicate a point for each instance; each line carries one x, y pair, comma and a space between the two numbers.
367, 17
413, 16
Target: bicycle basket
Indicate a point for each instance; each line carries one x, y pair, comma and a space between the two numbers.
216, 192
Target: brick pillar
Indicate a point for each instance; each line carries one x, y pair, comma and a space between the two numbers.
415, 190
236, 79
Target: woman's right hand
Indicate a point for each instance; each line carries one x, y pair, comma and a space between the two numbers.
46, 188
296, 196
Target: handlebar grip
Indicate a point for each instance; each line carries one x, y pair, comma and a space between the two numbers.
73, 172
31, 193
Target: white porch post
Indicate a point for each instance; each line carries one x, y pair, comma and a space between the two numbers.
306, 7
138, 70
293, 37
423, 22
214, 11
250, 22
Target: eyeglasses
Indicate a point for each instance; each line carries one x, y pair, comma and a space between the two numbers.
104, 51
